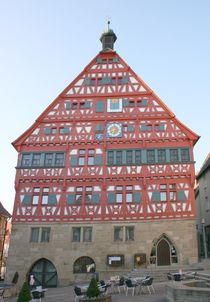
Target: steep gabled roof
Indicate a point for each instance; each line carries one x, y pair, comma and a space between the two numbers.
4, 212
205, 167
77, 89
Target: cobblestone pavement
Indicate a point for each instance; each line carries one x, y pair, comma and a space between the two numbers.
66, 294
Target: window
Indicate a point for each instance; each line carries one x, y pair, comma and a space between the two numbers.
45, 195
174, 155
91, 157
59, 159
119, 197
118, 234
129, 159
34, 235
48, 159
129, 194
40, 234
78, 195
161, 156
84, 265
35, 197
87, 234
150, 156
207, 204
163, 196
88, 195
45, 235
137, 156
36, 160
110, 159
76, 234
172, 196
81, 158
185, 155
129, 233
26, 160
119, 157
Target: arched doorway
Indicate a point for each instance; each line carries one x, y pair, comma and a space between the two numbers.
45, 273
84, 265
163, 251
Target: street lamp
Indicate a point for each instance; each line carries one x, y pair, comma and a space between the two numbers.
204, 238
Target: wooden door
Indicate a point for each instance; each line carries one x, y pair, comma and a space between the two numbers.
163, 253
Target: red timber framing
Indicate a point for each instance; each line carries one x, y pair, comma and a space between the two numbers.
106, 149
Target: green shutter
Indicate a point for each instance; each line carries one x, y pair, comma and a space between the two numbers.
47, 130
27, 200
95, 198
125, 80
98, 160
144, 102
115, 60
111, 198
52, 199
100, 106
107, 80
155, 196
99, 60
73, 161
70, 199
124, 158
162, 127
137, 197
144, 156
68, 105
167, 155
88, 104
143, 128
130, 128
125, 102
66, 130
181, 195
86, 81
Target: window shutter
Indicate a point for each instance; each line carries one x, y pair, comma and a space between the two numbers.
107, 80
87, 104
124, 158
181, 195
47, 130
111, 198
137, 197
100, 106
73, 161
125, 102
66, 130
70, 199
130, 128
144, 102
86, 81
68, 105
27, 200
115, 60
98, 160
155, 196
162, 127
52, 199
125, 80
95, 198
143, 128
99, 60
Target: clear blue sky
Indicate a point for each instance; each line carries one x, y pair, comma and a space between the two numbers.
45, 44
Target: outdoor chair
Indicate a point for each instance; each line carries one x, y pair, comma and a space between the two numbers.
103, 286
190, 275
177, 277
147, 283
36, 296
169, 276
121, 284
130, 286
78, 293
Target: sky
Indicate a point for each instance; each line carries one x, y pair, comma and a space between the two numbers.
45, 44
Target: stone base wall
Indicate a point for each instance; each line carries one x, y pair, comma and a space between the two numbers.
62, 252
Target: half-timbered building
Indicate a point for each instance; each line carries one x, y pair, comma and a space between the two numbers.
104, 180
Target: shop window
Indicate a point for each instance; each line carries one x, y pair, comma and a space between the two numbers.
115, 260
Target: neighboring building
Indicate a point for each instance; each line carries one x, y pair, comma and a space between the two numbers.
202, 195
4, 238
104, 181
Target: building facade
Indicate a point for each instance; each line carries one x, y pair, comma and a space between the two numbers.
5, 228
202, 195
104, 180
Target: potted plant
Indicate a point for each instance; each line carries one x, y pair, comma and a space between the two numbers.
24, 294
93, 293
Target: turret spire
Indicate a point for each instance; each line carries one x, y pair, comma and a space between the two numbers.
108, 38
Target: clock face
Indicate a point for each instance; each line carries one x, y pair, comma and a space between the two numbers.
114, 130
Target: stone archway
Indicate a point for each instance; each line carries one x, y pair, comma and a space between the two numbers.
44, 273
